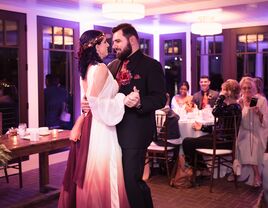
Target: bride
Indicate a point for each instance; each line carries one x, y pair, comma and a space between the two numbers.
102, 178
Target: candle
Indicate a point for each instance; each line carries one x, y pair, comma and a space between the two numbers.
15, 140
54, 132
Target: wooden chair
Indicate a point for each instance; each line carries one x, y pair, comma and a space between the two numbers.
224, 134
13, 163
162, 150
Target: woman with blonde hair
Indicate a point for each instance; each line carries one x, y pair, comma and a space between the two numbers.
252, 134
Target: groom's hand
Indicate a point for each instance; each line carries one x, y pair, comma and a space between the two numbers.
133, 98
84, 105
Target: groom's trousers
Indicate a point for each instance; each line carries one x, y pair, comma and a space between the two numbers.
139, 194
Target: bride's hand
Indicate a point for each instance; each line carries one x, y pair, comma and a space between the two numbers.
133, 98
85, 105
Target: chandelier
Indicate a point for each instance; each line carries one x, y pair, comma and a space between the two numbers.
206, 28
121, 10
206, 24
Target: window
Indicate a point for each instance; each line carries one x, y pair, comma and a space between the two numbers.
172, 56
57, 46
209, 59
13, 76
252, 55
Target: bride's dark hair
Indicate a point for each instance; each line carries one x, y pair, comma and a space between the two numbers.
87, 53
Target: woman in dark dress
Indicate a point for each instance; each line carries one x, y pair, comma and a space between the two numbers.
226, 105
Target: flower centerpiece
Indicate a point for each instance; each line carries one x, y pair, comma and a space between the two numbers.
4, 154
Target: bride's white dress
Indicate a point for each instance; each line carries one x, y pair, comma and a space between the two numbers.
104, 184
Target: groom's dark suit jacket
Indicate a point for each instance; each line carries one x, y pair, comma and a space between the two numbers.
137, 127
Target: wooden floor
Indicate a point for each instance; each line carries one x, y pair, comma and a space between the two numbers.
164, 196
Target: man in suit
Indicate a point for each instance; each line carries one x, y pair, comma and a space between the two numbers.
136, 130
205, 96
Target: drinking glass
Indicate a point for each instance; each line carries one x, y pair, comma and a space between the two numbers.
22, 129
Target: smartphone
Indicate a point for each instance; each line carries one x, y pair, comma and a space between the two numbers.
253, 102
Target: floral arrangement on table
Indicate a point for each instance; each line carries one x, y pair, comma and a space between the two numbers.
4, 154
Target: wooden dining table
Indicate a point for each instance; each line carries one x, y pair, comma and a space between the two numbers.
20, 147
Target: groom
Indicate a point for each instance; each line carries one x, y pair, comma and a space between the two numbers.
134, 70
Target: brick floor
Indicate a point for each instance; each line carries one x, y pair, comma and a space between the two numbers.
164, 196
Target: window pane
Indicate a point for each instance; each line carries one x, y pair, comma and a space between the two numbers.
68, 38
241, 43
47, 37
263, 42
1, 33
168, 47
218, 43
177, 47
252, 43
11, 28
173, 74
240, 60
209, 45
9, 87
58, 37
199, 48
215, 64
251, 64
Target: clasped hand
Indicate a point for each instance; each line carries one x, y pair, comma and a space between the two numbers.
133, 98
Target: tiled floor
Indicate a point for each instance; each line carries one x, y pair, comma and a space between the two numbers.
164, 196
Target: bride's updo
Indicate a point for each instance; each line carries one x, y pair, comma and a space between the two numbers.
87, 52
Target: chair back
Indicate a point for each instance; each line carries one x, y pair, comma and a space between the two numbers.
225, 130
161, 126
9, 116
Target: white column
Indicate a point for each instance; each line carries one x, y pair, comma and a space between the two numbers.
204, 68
259, 60
188, 59
32, 69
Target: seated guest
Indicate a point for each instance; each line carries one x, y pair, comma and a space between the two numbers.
226, 105
172, 125
252, 135
173, 133
205, 96
182, 102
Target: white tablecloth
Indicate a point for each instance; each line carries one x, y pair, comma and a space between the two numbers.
186, 129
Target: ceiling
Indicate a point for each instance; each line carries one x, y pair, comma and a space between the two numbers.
164, 14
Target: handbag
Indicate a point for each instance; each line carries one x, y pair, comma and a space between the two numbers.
77, 128
183, 175
65, 115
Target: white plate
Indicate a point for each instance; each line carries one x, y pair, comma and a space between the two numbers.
44, 133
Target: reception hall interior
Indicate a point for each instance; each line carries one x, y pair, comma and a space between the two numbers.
39, 45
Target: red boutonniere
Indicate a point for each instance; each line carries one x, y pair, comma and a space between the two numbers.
123, 77
137, 76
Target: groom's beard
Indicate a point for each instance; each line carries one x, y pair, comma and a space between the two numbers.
125, 52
